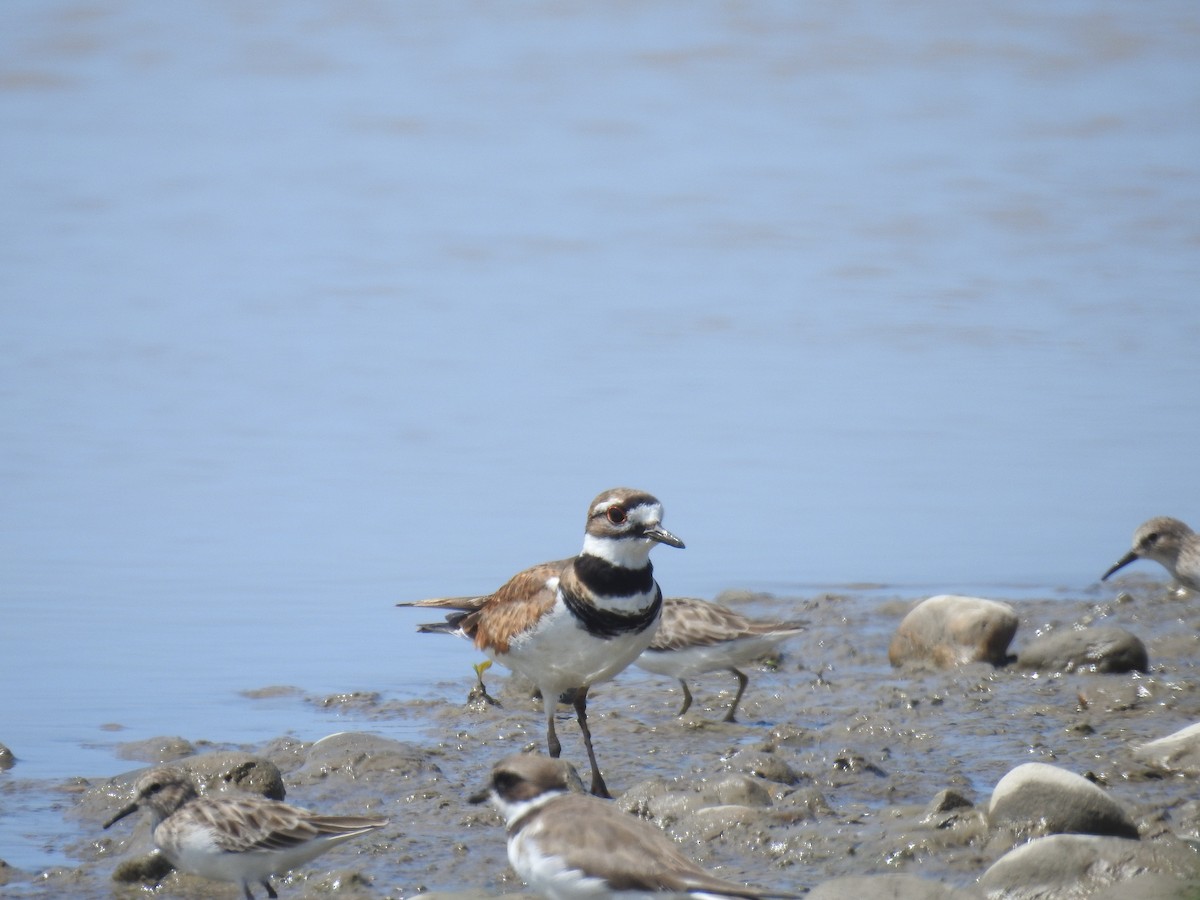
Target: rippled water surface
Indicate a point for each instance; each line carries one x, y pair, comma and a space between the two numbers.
309, 308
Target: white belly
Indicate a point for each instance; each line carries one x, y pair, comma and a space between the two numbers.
193, 849
691, 661
560, 654
556, 879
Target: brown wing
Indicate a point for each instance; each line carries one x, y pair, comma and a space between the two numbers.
515, 607
687, 622
256, 824
493, 620
596, 837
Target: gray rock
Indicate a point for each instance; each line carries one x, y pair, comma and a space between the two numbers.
950, 630
1036, 798
357, 755
805, 804
946, 801
640, 798
1071, 866
711, 822
232, 770
741, 790
947, 809
7, 760
146, 868
763, 765
736, 800
157, 750
220, 771
892, 887
9, 875
1176, 753
1103, 649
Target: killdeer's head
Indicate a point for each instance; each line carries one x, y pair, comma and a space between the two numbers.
162, 790
1159, 539
624, 525
525, 781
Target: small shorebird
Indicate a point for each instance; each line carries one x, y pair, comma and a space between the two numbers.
569, 624
241, 839
1171, 544
695, 636
569, 846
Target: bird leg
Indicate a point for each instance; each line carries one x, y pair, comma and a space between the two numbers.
553, 747
598, 786
687, 698
742, 679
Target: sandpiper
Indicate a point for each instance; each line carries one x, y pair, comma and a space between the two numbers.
241, 839
696, 637
1171, 544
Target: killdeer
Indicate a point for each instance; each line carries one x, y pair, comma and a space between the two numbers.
696, 637
569, 846
1171, 544
568, 624
239, 839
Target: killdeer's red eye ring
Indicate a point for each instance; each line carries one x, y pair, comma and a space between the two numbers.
616, 515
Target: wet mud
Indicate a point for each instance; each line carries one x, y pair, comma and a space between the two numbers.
839, 764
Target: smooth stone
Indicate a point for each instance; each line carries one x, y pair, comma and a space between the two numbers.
1177, 753
1079, 865
741, 790
1036, 798
950, 630
1104, 649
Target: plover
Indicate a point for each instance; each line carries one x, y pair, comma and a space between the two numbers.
569, 624
695, 636
569, 846
1171, 544
241, 839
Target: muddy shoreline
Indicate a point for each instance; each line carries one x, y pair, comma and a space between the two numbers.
839, 765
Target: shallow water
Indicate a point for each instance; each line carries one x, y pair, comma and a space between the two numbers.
312, 308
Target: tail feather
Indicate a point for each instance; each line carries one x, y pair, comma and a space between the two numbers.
465, 604
783, 629
437, 628
452, 625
